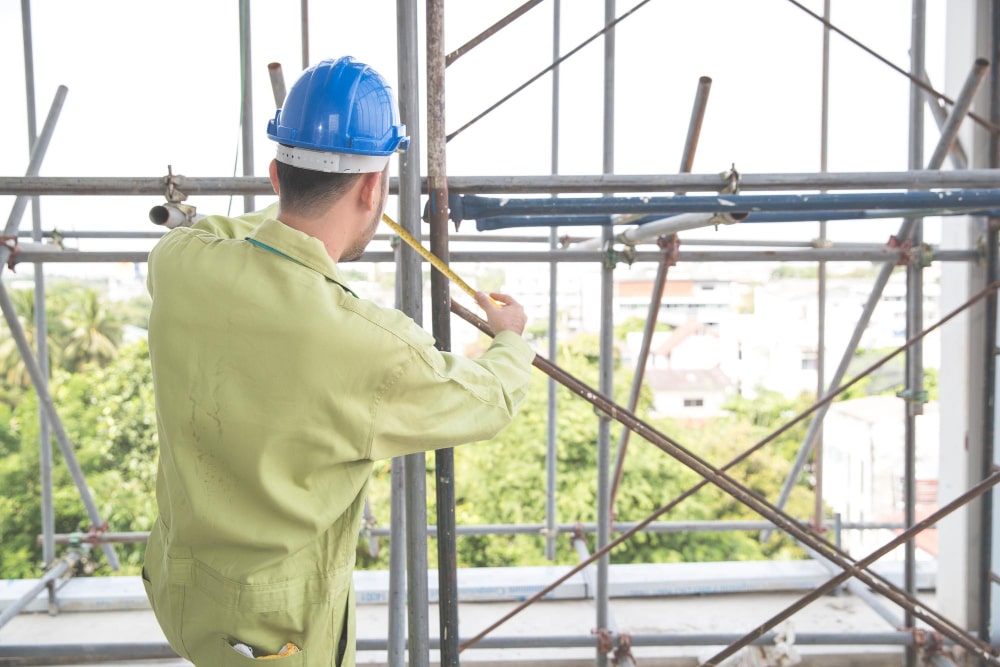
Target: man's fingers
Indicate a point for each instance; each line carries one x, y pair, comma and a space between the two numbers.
483, 299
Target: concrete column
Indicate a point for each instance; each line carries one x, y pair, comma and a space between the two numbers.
959, 585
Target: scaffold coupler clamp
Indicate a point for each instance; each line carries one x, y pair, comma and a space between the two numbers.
911, 396
623, 651
94, 533
610, 259
925, 255
604, 640
173, 193
732, 181
10, 242
906, 248
627, 253
670, 245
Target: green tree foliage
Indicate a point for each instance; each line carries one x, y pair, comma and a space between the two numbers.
82, 328
109, 416
105, 402
503, 481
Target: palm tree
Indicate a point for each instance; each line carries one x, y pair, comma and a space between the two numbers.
92, 331
13, 372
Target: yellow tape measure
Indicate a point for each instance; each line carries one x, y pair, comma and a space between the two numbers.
435, 261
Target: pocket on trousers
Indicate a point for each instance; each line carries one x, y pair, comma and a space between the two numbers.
233, 658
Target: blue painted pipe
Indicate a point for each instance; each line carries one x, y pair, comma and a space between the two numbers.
508, 222
467, 207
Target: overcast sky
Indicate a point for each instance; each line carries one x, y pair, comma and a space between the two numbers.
152, 84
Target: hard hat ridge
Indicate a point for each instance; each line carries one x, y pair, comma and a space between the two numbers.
339, 116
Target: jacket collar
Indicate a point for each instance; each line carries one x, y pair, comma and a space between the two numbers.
299, 247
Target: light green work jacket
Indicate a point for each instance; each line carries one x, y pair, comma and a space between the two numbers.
276, 390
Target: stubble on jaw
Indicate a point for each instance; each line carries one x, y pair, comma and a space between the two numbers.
357, 249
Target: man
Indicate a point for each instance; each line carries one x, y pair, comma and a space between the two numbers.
277, 388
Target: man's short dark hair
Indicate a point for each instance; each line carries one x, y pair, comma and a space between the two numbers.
308, 192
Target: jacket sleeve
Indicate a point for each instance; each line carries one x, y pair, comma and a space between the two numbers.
437, 399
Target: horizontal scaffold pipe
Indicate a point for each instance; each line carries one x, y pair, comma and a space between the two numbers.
473, 207
514, 222
555, 184
524, 529
45, 654
872, 254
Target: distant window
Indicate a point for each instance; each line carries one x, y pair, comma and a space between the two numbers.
693, 402
808, 363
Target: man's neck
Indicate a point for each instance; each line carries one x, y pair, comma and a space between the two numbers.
333, 236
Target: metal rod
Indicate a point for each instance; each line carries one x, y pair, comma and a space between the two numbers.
38, 151
659, 285
655, 303
913, 361
979, 649
694, 124
949, 130
48, 407
905, 233
556, 184
606, 346
861, 591
534, 529
246, 106
396, 631
959, 158
609, 26
41, 324
58, 569
444, 459
408, 502
49, 654
304, 32
915, 79
475, 207
610, 629
551, 436
712, 475
489, 32
824, 140
277, 83
28, 255
487, 238
411, 297
647, 224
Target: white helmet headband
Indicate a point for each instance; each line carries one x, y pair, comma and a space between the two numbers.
331, 163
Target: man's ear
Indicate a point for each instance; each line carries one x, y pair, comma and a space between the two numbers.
272, 171
370, 191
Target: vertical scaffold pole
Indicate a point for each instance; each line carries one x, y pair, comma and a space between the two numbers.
551, 434
606, 369
444, 459
408, 542
246, 107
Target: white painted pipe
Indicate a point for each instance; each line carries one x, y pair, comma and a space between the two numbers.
671, 225
173, 215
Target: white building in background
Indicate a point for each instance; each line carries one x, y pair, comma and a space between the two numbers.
863, 463
760, 335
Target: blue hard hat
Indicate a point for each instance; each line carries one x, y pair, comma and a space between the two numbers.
340, 106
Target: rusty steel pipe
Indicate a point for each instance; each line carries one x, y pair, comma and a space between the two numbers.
717, 477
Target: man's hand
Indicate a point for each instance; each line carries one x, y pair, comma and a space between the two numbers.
507, 316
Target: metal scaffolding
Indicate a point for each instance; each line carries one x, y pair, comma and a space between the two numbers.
662, 207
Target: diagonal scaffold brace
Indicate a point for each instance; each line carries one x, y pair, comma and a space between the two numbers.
785, 522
